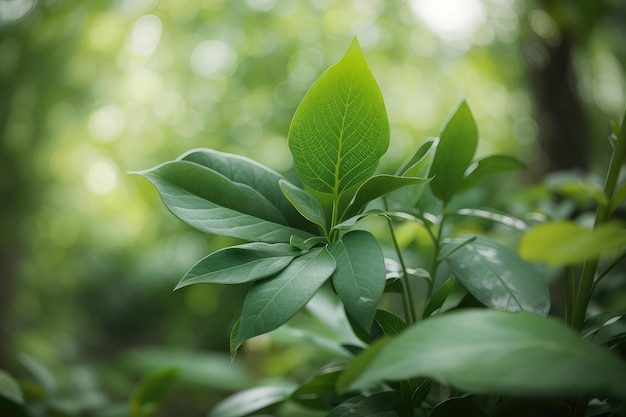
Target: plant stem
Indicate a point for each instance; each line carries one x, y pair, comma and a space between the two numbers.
437, 242
407, 296
571, 295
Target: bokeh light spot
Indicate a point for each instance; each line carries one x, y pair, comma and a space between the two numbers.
144, 36
101, 177
14, 9
213, 59
106, 124
451, 20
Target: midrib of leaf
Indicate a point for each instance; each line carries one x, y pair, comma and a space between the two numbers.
482, 258
339, 159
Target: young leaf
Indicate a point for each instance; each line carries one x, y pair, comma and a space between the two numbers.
390, 323
490, 351
243, 170
378, 186
497, 277
566, 243
437, 300
151, 391
242, 263
305, 203
491, 165
272, 302
245, 402
340, 130
210, 202
359, 278
457, 144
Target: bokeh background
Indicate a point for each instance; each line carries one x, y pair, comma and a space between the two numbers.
92, 89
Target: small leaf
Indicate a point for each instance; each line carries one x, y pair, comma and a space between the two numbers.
491, 351
457, 144
455, 407
305, 203
234, 334
151, 391
272, 302
497, 277
490, 214
440, 296
239, 264
359, 278
210, 202
245, 402
380, 404
319, 391
10, 389
566, 243
340, 129
390, 323
378, 186
486, 167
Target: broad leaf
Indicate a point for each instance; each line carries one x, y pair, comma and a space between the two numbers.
378, 186
497, 277
10, 389
567, 243
340, 130
242, 263
151, 391
212, 203
243, 170
272, 302
360, 275
380, 404
245, 402
457, 144
491, 165
305, 203
439, 297
491, 351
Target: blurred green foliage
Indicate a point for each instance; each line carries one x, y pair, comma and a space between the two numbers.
91, 89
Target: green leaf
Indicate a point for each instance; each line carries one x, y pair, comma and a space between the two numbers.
319, 391
567, 243
10, 389
210, 202
242, 263
491, 165
234, 333
494, 216
360, 363
245, 402
340, 130
272, 302
380, 404
375, 187
618, 198
497, 277
305, 203
243, 170
457, 144
151, 391
359, 278
440, 296
390, 323
455, 407
492, 351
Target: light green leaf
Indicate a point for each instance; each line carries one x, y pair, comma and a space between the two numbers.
305, 203
243, 170
491, 165
496, 352
494, 216
245, 402
210, 202
340, 130
359, 278
457, 144
271, 303
151, 391
378, 186
10, 389
440, 296
567, 243
242, 263
497, 277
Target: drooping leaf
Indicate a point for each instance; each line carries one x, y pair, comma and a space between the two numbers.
491, 351
488, 166
457, 143
340, 129
210, 202
239, 264
10, 389
439, 297
151, 391
380, 404
272, 302
454, 407
378, 186
567, 243
305, 203
497, 277
359, 278
245, 402
243, 170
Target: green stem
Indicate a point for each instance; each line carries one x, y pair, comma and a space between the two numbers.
608, 269
571, 295
435, 261
407, 296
